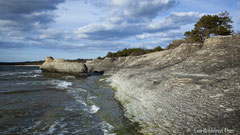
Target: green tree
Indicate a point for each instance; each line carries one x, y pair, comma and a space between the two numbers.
137, 52
125, 52
159, 48
119, 54
211, 25
110, 54
99, 57
133, 52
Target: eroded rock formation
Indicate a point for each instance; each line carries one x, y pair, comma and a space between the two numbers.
62, 66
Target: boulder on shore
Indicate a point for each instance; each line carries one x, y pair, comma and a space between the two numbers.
62, 66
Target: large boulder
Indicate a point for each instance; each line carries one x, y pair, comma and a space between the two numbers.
62, 66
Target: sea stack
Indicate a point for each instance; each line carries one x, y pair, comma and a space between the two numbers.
61, 66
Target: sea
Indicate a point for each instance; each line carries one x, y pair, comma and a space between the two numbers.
36, 103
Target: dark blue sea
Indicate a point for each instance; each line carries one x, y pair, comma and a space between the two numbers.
33, 103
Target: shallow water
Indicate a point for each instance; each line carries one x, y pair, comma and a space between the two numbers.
33, 103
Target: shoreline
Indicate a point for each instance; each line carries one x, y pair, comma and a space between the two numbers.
135, 127
143, 127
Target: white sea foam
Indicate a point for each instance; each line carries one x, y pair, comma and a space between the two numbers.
94, 109
29, 76
79, 131
80, 89
13, 73
37, 71
36, 124
107, 128
62, 85
21, 83
36, 75
76, 95
20, 73
69, 109
3, 74
76, 91
8, 73
52, 128
80, 101
92, 97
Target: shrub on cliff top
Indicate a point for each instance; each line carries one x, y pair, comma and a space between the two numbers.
211, 25
78, 60
100, 58
133, 52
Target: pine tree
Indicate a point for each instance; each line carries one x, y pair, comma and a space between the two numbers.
211, 25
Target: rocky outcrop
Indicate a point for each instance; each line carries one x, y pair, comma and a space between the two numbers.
192, 89
108, 65
111, 66
62, 66
177, 43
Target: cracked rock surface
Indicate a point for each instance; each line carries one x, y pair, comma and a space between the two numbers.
180, 91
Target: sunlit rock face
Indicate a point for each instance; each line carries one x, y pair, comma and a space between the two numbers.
49, 59
183, 90
62, 66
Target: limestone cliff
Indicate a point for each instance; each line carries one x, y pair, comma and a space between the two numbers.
184, 90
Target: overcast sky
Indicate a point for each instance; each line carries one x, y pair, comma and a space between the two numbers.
33, 29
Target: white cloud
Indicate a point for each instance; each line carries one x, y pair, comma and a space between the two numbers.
28, 23
112, 31
139, 10
24, 20
159, 35
121, 2
134, 10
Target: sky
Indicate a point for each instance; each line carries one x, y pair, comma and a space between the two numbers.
33, 29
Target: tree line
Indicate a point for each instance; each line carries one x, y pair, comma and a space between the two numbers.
133, 52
